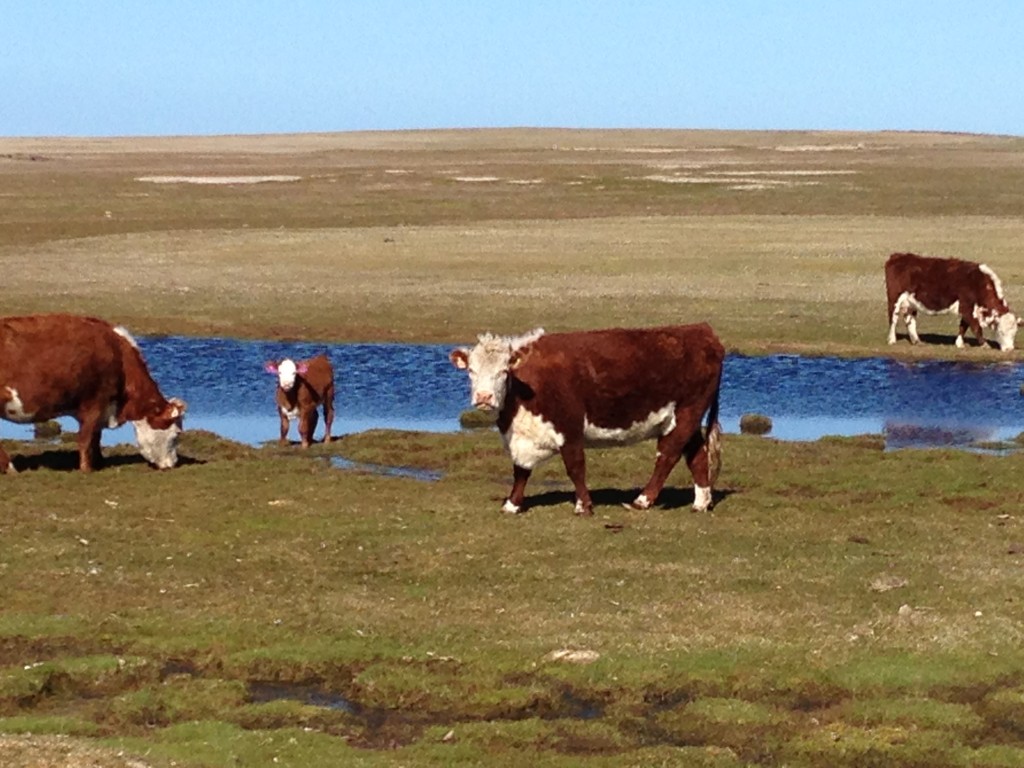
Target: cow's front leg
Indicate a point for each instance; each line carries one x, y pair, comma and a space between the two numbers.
974, 324
514, 503
285, 423
910, 320
576, 467
6, 467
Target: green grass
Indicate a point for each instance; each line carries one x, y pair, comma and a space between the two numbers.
842, 605
758, 634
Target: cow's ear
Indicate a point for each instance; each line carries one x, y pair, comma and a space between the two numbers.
460, 358
270, 367
518, 357
178, 407
302, 367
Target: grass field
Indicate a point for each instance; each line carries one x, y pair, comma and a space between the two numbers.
842, 605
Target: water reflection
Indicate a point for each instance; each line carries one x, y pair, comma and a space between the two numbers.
413, 386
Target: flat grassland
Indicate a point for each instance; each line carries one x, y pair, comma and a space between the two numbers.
777, 239
841, 606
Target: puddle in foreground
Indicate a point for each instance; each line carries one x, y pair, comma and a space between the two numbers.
426, 475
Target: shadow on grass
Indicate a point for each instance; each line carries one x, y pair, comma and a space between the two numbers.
67, 461
669, 498
946, 340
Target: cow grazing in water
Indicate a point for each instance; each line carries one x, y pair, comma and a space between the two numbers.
302, 387
935, 286
64, 365
559, 393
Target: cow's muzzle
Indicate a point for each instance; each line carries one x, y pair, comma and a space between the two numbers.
484, 401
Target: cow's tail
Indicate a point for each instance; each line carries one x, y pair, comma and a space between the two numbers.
713, 436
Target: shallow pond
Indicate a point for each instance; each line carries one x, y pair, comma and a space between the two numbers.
413, 386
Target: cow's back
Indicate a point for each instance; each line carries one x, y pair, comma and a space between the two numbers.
319, 375
53, 363
936, 282
619, 376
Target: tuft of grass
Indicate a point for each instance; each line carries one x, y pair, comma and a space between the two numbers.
755, 424
476, 419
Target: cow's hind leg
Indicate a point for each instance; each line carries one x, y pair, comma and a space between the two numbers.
514, 503
307, 426
670, 450
89, 431
685, 440
328, 414
576, 467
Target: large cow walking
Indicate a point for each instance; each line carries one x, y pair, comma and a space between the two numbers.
933, 285
561, 392
64, 365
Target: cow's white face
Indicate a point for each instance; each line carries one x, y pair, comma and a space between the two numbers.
1006, 330
157, 435
488, 366
286, 371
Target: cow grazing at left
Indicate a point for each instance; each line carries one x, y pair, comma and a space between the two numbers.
66, 365
559, 393
302, 387
935, 286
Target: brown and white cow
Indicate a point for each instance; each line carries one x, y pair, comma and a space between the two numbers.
558, 393
65, 365
301, 387
920, 283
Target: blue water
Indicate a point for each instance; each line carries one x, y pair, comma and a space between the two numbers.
414, 386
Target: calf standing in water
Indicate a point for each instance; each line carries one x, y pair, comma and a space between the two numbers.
302, 387
558, 393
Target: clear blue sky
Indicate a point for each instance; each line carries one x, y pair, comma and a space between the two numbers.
157, 67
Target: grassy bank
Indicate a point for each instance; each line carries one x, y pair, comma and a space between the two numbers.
841, 606
777, 239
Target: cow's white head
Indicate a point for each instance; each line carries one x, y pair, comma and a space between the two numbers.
1006, 330
286, 372
157, 435
489, 364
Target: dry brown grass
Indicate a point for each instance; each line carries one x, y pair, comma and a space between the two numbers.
440, 235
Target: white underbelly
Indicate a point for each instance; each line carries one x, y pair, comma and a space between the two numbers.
908, 301
657, 424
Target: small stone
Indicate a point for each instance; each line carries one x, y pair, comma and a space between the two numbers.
574, 656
